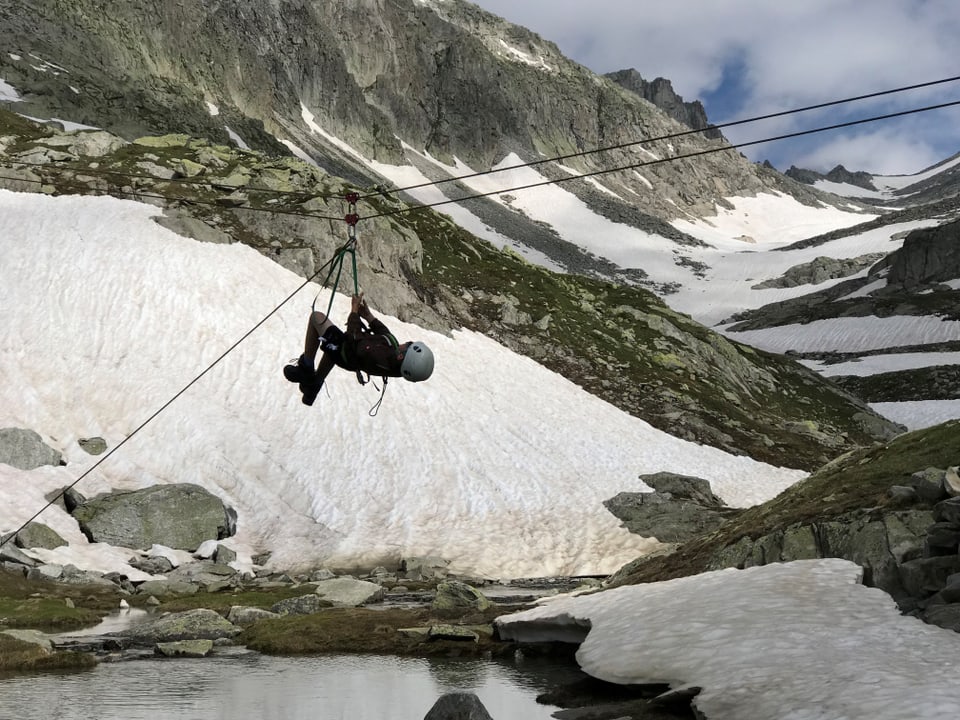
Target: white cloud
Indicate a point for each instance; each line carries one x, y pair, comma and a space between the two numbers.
880, 153
746, 58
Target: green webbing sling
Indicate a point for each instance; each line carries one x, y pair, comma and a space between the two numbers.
350, 247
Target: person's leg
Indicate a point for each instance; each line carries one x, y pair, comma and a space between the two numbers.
302, 370
317, 325
312, 380
324, 367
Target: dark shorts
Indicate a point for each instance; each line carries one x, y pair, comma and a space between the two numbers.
333, 342
332, 339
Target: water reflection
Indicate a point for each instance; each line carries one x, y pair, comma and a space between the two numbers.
240, 685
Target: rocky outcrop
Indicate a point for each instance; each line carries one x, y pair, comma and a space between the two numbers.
929, 255
839, 174
456, 595
458, 706
185, 648
348, 592
820, 270
661, 93
198, 624
38, 535
180, 516
25, 449
912, 554
679, 508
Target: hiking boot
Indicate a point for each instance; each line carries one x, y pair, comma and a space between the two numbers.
299, 372
310, 390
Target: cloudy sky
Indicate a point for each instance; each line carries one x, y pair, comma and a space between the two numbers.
746, 58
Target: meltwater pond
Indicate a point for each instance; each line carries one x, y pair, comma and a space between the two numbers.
240, 685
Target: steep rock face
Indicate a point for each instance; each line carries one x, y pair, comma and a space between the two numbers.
446, 78
930, 255
660, 92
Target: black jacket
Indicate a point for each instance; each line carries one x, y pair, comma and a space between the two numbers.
370, 349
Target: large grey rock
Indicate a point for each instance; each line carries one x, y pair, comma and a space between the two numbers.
928, 255
45, 572
9, 552
882, 546
179, 516
20, 180
24, 449
303, 605
241, 615
925, 576
458, 633
209, 575
38, 535
201, 624
679, 508
162, 588
951, 481
458, 706
92, 143
185, 648
820, 270
73, 575
947, 511
945, 616
349, 592
427, 567
94, 445
929, 484
456, 595
34, 637
191, 227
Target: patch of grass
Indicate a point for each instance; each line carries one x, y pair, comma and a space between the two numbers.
44, 613
42, 605
366, 630
857, 481
19, 656
26, 131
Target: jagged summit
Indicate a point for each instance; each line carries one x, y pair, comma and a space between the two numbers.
660, 92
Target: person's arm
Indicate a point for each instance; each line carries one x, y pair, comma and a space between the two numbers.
354, 321
376, 326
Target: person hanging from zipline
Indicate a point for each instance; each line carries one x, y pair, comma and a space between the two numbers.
367, 347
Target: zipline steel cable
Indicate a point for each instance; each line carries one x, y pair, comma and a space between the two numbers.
684, 133
542, 161
351, 243
579, 176
674, 158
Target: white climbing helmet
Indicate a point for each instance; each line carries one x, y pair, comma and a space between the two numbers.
417, 362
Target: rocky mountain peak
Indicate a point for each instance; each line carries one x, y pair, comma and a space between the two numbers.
660, 92
839, 174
